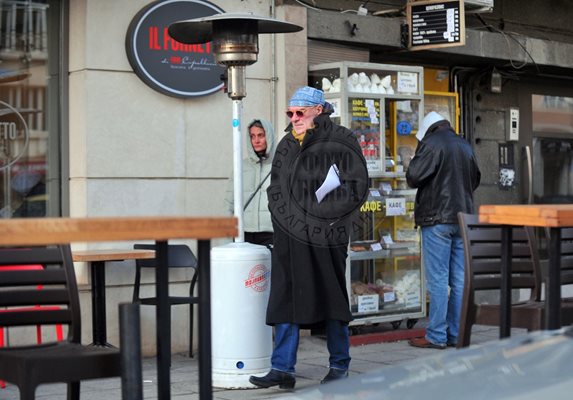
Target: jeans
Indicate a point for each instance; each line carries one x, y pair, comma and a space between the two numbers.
443, 255
287, 339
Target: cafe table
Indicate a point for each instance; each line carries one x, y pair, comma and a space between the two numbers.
97, 260
552, 216
53, 231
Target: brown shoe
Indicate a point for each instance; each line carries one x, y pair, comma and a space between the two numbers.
425, 344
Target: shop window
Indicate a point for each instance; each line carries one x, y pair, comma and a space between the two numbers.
29, 146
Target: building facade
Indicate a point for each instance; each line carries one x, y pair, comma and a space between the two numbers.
84, 136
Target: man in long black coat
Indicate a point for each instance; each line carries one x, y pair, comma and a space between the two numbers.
318, 181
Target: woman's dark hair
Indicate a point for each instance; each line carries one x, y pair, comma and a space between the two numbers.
257, 124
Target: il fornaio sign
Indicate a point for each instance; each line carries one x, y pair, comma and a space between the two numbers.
170, 67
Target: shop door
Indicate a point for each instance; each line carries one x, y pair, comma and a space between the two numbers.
30, 109
548, 143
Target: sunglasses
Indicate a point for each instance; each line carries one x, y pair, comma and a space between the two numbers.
298, 113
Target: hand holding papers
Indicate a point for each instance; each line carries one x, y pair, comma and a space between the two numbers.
331, 182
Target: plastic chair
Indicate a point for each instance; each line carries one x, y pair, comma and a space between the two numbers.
482, 245
59, 330
179, 256
65, 361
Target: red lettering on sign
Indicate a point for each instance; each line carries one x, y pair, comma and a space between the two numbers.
166, 39
153, 40
171, 44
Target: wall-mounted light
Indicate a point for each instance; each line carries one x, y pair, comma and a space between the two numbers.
495, 81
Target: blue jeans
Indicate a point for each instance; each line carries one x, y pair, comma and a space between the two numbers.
286, 346
443, 255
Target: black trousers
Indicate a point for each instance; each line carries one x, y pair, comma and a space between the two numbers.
262, 238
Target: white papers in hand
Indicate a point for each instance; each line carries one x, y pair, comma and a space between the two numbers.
331, 182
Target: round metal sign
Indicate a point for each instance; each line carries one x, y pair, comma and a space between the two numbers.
166, 65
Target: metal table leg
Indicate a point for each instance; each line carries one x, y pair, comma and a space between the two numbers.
553, 287
205, 377
99, 327
163, 318
505, 292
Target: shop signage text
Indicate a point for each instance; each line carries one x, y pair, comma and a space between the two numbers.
166, 65
435, 23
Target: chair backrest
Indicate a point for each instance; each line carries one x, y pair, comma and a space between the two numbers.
566, 255
19, 289
482, 245
178, 255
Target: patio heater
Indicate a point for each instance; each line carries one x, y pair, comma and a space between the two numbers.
235, 45
242, 342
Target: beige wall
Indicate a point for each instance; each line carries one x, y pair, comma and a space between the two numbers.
134, 151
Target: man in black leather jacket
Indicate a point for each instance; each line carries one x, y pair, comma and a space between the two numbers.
446, 173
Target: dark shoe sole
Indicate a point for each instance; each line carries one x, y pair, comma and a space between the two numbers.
427, 345
330, 378
266, 385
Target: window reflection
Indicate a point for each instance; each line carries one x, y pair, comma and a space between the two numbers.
23, 105
552, 114
552, 123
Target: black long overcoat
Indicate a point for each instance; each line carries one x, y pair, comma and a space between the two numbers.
308, 284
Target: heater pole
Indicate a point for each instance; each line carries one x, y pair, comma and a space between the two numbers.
237, 168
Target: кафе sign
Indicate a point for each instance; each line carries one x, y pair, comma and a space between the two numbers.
170, 67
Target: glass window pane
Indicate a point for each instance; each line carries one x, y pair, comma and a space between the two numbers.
24, 132
552, 114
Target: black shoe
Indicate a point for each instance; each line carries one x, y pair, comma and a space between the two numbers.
274, 378
335, 374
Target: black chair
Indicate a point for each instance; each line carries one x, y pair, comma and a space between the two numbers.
30, 365
482, 245
566, 268
179, 256
567, 258
566, 254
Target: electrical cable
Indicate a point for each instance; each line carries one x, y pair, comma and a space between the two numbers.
305, 4
511, 35
308, 5
391, 11
505, 35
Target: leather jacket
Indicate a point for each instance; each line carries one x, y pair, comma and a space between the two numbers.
446, 173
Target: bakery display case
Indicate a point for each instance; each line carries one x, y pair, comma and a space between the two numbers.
384, 272
374, 101
383, 105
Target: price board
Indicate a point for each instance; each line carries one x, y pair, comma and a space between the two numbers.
434, 24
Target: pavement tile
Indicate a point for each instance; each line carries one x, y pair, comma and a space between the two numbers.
312, 366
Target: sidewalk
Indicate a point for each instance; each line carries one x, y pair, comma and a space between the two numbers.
312, 365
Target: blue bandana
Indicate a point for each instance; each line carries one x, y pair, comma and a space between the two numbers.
306, 96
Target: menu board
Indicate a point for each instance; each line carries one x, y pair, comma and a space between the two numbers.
435, 24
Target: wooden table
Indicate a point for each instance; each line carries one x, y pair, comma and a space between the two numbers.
552, 216
97, 260
50, 231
